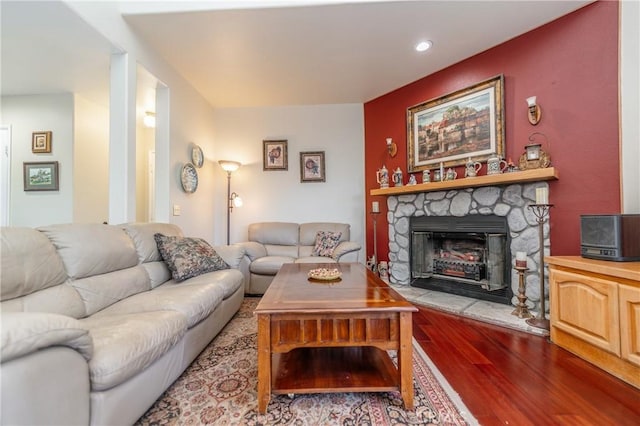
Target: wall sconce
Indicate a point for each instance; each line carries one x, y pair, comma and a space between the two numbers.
534, 112
392, 147
149, 119
232, 199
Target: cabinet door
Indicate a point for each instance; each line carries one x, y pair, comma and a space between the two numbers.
630, 323
586, 307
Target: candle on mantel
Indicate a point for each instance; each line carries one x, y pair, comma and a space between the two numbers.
521, 259
375, 207
542, 196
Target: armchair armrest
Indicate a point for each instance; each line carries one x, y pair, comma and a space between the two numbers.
345, 247
254, 250
27, 332
232, 254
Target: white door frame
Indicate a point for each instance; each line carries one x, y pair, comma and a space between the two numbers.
5, 175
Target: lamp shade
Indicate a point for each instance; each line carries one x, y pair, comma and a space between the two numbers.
229, 166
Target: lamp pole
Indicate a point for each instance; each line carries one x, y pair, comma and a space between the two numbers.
228, 205
229, 167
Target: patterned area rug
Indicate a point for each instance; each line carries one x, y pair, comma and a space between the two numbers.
220, 388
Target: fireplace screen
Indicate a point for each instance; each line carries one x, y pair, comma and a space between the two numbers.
472, 258
461, 253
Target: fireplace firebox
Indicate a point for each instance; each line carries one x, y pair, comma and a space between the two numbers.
466, 255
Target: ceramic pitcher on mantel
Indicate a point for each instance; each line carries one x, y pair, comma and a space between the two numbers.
495, 165
382, 177
472, 168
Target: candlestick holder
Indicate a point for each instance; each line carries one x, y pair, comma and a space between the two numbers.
541, 211
521, 310
374, 216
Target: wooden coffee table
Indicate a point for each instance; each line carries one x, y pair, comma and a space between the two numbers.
333, 336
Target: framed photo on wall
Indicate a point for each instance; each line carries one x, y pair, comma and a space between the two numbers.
41, 142
452, 128
274, 156
312, 166
41, 176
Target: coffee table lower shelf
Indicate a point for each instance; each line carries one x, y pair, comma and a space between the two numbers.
334, 369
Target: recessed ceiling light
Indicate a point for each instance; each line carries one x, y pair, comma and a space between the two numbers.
423, 45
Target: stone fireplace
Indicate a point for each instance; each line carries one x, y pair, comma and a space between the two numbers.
474, 257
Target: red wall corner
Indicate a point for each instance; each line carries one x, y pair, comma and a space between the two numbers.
571, 65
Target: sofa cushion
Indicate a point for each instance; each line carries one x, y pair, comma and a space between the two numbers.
29, 263
309, 230
27, 332
274, 233
124, 345
269, 265
92, 249
142, 235
194, 298
188, 257
326, 242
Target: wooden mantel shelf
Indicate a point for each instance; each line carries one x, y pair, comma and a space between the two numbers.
534, 175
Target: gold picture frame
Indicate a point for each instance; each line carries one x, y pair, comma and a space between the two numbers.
462, 124
312, 167
274, 155
41, 142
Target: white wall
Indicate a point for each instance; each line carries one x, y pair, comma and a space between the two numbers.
90, 165
190, 121
630, 104
338, 130
25, 115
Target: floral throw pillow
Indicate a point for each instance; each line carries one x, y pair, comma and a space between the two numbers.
326, 242
188, 257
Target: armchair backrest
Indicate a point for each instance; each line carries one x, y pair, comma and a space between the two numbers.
278, 238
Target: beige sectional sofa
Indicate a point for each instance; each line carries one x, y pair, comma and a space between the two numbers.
270, 244
94, 328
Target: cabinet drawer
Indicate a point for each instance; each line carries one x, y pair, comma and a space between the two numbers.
586, 307
630, 323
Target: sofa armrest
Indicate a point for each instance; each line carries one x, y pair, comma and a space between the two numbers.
254, 250
27, 332
344, 248
232, 254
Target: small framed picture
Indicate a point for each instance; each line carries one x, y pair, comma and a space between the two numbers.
312, 166
274, 155
41, 176
41, 142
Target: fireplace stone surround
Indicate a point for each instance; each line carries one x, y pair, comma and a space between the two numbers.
510, 201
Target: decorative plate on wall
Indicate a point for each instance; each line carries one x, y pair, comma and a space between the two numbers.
197, 157
189, 178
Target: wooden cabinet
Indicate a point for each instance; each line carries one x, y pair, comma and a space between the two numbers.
595, 312
630, 323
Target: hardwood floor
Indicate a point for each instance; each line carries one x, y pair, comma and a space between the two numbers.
507, 377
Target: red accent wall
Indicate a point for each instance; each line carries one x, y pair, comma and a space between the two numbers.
571, 65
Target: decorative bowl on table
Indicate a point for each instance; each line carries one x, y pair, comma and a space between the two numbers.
324, 274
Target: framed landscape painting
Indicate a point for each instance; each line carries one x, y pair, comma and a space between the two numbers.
452, 128
41, 176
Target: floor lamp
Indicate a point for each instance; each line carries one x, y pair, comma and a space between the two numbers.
232, 198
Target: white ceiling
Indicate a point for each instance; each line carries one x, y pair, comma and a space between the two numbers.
267, 52
46, 49
326, 53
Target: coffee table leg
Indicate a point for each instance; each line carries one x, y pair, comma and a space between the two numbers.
405, 360
264, 362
